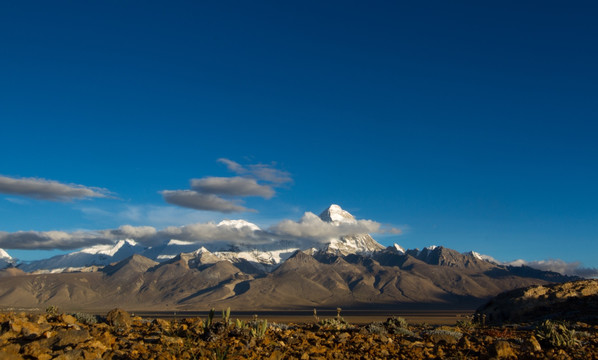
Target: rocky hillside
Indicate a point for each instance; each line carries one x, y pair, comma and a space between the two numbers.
572, 301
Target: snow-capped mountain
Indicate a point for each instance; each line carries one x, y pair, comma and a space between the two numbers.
348, 244
254, 258
5, 259
98, 255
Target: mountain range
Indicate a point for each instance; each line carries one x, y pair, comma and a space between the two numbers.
350, 270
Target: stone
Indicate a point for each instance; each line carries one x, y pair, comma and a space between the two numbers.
119, 318
71, 337
38, 348
448, 339
532, 344
32, 330
68, 319
10, 356
503, 350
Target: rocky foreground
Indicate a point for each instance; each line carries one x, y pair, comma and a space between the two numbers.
122, 336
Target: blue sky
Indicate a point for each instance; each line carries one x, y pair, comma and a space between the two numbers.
465, 124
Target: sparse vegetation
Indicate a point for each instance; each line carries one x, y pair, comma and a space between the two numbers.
193, 338
52, 310
556, 334
336, 323
226, 316
258, 328
84, 318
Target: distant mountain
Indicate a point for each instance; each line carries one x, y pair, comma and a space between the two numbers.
98, 255
351, 270
201, 280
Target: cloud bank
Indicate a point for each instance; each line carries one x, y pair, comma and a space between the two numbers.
43, 189
574, 268
224, 194
310, 230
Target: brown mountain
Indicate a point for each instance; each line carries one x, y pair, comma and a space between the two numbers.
438, 277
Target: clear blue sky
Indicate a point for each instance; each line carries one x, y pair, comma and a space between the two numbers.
471, 125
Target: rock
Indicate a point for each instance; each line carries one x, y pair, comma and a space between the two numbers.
10, 356
32, 330
119, 318
10, 349
503, 350
162, 324
570, 301
76, 354
68, 319
532, 344
71, 337
448, 339
465, 343
38, 348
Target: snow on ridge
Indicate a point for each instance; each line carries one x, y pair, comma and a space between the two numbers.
173, 242
4, 255
399, 248
483, 257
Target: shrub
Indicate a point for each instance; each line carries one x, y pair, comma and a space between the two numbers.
457, 335
52, 310
258, 328
556, 334
87, 319
376, 328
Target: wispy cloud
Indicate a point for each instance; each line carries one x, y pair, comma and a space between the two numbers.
224, 194
263, 172
574, 268
231, 186
43, 189
199, 201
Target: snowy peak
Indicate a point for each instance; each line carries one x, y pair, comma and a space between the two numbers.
335, 213
5, 259
112, 249
4, 255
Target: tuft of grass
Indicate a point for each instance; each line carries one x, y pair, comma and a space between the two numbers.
226, 316
258, 328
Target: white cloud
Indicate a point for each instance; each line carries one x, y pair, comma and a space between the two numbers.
311, 227
43, 189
